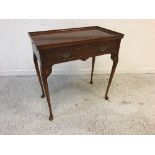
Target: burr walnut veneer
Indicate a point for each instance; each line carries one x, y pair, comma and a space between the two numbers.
58, 46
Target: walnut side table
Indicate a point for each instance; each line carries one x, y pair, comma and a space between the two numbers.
64, 45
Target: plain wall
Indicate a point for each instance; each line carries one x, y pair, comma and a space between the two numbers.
137, 52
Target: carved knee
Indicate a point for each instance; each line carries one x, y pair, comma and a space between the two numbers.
46, 71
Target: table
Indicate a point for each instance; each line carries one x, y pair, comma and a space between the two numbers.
64, 45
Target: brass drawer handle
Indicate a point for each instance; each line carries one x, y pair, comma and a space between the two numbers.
102, 49
66, 54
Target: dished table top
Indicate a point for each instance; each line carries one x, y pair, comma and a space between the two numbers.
53, 38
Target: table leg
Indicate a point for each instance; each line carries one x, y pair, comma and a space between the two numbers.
38, 74
115, 62
92, 71
45, 73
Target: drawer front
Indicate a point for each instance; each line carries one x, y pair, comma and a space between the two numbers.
80, 51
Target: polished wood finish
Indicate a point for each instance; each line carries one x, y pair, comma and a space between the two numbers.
64, 45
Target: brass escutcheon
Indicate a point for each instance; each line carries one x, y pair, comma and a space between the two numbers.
102, 49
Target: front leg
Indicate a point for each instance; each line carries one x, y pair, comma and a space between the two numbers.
92, 71
115, 62
38, 74
46, 70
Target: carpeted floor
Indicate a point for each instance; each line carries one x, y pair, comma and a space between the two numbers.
78, 107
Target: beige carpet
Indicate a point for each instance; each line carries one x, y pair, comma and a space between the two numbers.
78, 107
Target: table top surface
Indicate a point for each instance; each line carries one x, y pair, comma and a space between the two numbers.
45, 39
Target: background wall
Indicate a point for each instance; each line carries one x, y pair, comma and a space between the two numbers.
137, 53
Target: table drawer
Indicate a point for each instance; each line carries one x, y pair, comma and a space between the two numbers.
80, 51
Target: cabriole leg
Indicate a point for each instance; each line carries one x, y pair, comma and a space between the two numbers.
38, 74
115, 62
45, 74
92, 71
